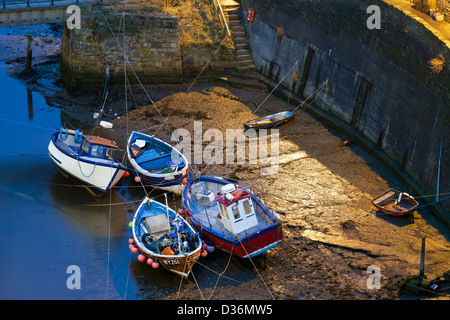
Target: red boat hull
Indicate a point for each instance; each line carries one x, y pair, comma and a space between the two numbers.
247, 247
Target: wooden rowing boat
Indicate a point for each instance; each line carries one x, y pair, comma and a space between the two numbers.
395, 203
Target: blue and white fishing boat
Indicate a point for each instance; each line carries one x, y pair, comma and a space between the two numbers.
89, 159
270, 121
162, 237
156, 162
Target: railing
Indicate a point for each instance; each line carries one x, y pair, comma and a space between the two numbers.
222, 16
31, 2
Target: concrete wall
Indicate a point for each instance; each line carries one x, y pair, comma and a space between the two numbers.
380, 82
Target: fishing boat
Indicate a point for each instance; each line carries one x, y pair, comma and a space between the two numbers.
163, 237
89, 159
395, 203
270, 121
156, 163
230, 217
279, 118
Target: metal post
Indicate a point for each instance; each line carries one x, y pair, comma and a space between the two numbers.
422, 262
29, 52
28, 3
4, 4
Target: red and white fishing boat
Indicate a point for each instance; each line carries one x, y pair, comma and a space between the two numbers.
230, 217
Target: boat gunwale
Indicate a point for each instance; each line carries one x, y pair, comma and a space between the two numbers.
177, 175
86, 159
147, 251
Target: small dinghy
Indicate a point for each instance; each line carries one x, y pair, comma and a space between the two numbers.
269, 121
89, 159
230, 217
163, 237
156, 162
395, 203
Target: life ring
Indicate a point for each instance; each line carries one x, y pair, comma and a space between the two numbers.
78, 136
61, 136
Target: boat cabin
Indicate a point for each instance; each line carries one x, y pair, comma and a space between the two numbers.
98, 147
236, 209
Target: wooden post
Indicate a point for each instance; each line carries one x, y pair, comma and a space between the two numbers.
422, 262
29, 52
30, 103
439, 173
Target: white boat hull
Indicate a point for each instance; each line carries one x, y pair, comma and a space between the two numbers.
100, 174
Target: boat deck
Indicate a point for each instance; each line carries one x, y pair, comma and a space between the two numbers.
207, 214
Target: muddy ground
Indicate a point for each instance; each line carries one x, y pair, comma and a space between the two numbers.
322, 192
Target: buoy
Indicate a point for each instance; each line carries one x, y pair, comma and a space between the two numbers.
184, 181
204, 245
155, 264
149, 261
210, 248
130, 246
180, 211
131, 241
134, 249
126, 174
137, 179
204, 253
130, 224
141, 258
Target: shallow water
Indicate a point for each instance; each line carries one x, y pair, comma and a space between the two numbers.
50, 222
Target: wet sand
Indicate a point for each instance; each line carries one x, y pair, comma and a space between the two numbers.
322, 192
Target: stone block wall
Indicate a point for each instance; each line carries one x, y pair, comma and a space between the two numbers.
380, 82
151, 44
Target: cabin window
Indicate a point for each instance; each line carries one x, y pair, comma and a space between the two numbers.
223, 212
236, 213
110, 154
85, 147
247, 207
97, 151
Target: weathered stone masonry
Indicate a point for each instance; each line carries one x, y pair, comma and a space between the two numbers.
151, 44
380, 82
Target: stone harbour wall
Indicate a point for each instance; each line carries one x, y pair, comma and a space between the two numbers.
151, 44
380, 81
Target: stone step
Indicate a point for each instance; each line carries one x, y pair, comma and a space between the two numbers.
238, 34
238, 82
237, 28
246, 68
241, 46
242, 51
250, 75
233, 16
231, 9
244, 57
240, 40
245, 62
233, 23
